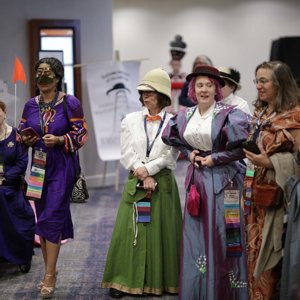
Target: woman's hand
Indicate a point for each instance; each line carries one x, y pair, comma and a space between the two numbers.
198, 161
261, 160
29, 140
149, 183
51, 140
207, 161
141, 173
194, 159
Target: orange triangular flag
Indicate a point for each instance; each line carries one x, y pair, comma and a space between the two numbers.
19, 73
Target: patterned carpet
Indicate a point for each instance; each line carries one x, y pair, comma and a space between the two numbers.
81, 261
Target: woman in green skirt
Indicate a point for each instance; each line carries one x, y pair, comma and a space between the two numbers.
144, 253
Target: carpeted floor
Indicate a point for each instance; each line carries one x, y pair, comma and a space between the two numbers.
81, 261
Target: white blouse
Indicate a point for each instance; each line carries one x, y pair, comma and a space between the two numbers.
134, 143
198, 130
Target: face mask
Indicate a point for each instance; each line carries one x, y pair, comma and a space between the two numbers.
44, 79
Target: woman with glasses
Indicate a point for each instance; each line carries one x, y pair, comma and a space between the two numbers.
143, 256
275, 123
54, 126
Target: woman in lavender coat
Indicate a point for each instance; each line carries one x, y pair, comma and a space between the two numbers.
61, 129
213, 262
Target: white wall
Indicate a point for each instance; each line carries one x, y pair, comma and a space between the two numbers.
235, 33
96, 44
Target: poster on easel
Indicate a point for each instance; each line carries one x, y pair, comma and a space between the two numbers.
9, 100
112, 94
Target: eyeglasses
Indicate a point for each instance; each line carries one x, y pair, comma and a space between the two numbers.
261, 81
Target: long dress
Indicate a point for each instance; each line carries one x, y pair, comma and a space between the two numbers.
63, 118
144, 257
265, 225
213, 260
16, 215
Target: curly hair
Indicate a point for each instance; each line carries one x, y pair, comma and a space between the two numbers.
288, 94
192, 94
56, 66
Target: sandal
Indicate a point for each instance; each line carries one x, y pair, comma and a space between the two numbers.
48, 291
41, 284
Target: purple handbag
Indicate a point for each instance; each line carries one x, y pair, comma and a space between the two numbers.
193, 199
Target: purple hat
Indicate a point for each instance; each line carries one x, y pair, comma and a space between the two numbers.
206, 71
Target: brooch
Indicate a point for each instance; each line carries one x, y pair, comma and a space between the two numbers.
10, 144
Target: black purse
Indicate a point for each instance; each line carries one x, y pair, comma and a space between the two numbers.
80, 192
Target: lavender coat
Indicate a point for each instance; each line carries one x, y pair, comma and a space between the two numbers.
206, 270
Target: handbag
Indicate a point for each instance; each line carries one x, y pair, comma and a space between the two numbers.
193, 199
266, 192
80, 192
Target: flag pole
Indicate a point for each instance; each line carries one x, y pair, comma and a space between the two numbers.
15, 104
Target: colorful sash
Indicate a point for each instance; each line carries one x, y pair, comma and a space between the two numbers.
248, 188
143, 209
232, 222
37, 176
141, 213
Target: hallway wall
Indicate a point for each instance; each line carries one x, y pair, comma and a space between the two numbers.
235, 33
96, 44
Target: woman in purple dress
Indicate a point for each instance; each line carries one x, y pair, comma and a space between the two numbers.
59, 129
213, 262
16, 214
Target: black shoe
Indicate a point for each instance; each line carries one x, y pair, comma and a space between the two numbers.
115, 293
25, 268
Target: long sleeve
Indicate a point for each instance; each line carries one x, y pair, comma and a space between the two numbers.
234, 131
77, 135
171, 136
167, 160
130, 158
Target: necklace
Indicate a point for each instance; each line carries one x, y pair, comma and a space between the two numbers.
46, 105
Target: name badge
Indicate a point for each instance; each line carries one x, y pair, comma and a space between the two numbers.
37, 175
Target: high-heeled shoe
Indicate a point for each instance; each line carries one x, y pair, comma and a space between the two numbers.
48, 291
41, 284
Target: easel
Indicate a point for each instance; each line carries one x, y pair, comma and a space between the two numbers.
117, 174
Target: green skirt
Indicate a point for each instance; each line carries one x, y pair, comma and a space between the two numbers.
145, 257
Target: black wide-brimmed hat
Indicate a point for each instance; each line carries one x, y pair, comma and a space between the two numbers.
118, 86
206, 71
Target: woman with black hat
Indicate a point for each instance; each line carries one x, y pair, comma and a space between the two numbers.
213, 262
54, 126
143, 256
232, 84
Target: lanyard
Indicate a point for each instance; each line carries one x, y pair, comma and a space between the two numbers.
149, 146
258, 123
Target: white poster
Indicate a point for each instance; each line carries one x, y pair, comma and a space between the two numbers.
11, 106
112, 95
